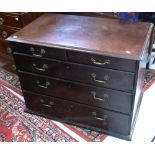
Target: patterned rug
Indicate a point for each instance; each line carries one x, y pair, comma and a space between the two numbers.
18, 126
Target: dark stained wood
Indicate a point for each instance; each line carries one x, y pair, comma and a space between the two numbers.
139, 88
70, 71
86, 94
79, 57
5, 32
89, 34
80, 52
67, 110
10, 66
11, 22
40, 51
113, 15
28, 17
100, 61
7, 63
17, 20
6, 57
5, 48
47, 105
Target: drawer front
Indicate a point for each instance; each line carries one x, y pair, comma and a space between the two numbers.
70, 111
10, 20
85, 94
102, 61
92, 75
39, 51
10, 66
5, 32
47, 105
4, 47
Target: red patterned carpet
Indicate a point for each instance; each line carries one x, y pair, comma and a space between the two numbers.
17, 126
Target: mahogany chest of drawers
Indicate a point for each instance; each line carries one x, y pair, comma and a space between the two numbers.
85, 71
11, 22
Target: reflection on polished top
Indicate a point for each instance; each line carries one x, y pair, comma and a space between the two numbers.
100, 35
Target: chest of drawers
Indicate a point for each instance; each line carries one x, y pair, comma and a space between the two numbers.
85, 71
11, 22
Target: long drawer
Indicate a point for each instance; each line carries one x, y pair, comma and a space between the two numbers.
102, 77
86, 94
70, 111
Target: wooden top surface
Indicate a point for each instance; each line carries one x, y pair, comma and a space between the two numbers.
88, 34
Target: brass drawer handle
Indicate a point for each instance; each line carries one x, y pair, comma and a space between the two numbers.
43, 69
42, 51
1, 21
9, 50
36, 55
46, 105
106, 78
97, 98
104, 118
100, 63
43, 86
4, 34
50, 104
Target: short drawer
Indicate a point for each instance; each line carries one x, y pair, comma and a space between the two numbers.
4, 47
5, 32
102, 61
85, 94
39, 51
72, 112
102, 77
10, 20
